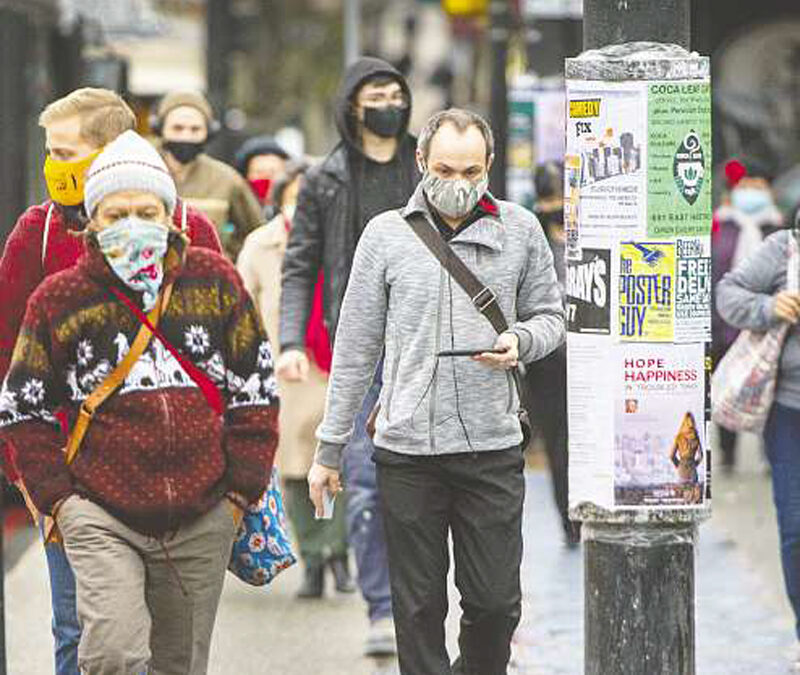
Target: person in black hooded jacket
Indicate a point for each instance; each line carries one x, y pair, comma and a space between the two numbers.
372, 169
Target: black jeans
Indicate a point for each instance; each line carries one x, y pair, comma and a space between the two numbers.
478, 497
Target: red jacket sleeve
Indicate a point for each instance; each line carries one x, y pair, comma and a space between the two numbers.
201, 230
20, 273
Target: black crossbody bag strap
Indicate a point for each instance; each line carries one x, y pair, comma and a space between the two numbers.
482, 296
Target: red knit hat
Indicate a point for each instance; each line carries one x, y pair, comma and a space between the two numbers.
734, 172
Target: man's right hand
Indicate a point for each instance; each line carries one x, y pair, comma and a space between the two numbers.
321, 478
787, 306
293, 366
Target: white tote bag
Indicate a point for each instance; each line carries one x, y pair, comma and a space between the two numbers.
743, 385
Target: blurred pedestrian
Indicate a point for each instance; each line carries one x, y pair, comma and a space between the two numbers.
321, 542
262, 160
447, 431
44, 242
746, 216
547, 378
371, 170
185, 123
150, 505
754, 296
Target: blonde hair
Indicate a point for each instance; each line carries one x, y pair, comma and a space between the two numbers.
103, 114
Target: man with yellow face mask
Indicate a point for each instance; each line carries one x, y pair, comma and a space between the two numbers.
44, 242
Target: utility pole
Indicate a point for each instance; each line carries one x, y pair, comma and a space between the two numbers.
499, 31
352, 31
638, 137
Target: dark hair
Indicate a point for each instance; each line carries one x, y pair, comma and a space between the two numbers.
549, 180
294, 169
258, 145
462, 120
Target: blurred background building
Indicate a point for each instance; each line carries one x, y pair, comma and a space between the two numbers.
273, 66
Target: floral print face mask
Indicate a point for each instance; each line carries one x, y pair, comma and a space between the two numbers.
134, 249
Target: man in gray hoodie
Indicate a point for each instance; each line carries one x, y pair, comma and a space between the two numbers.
447, 432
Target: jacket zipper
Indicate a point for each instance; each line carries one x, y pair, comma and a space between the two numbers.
169, 488
435, 387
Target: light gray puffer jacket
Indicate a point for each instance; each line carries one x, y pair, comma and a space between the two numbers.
400, 297
746, 299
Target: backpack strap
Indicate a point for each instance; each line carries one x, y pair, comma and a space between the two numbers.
115, 378
46, 233
183, 216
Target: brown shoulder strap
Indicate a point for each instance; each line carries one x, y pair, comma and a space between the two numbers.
482, 296
115, 378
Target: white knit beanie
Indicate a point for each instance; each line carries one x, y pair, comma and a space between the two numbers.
128, 163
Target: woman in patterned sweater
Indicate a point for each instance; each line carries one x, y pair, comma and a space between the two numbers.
150, 505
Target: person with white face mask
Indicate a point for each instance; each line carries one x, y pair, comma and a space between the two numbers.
447, 432
322, 543
746, 217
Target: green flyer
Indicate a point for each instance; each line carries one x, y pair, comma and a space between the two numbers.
679, 158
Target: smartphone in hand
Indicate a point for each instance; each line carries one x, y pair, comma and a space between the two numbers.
470, 352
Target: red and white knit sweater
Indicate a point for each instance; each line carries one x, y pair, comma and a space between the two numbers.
155, 455
27, 260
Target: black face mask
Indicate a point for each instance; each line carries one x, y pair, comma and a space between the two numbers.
387, 121
184, 151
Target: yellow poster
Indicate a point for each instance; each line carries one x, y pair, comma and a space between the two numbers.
646, 284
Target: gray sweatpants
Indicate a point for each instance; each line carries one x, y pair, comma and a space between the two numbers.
140, 609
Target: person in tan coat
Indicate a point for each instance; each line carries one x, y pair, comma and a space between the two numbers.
321, 542
185, 123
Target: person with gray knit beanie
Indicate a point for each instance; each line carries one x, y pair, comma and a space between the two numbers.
129, 163
180, 445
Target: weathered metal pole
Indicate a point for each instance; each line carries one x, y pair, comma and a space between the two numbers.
611, 22
352, 31
499, 31
626, 107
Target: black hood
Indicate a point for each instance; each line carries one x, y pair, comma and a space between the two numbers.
362, 70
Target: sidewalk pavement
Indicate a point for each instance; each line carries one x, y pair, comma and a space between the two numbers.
743, 622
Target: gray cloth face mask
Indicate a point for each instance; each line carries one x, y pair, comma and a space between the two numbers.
453, 197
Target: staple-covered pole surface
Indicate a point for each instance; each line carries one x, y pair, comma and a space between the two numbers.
609, 22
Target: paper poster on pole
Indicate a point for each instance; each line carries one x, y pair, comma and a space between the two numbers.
645, 284
588, 291
591, 415
606, 140
693, 290
660, 441
679, 158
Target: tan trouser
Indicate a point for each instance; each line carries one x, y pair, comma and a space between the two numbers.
140, 609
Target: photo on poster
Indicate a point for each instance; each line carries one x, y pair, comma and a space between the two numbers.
646, 285
606, 134
693, 290
572, 197
660, 440
588, 290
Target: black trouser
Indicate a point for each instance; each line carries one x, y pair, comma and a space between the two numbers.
478, 497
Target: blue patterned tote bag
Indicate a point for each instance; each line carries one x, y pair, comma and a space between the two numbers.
262, 548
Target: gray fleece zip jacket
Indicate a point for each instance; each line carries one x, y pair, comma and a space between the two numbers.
400, 299
745, 299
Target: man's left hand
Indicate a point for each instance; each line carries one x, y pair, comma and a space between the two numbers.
509, 344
